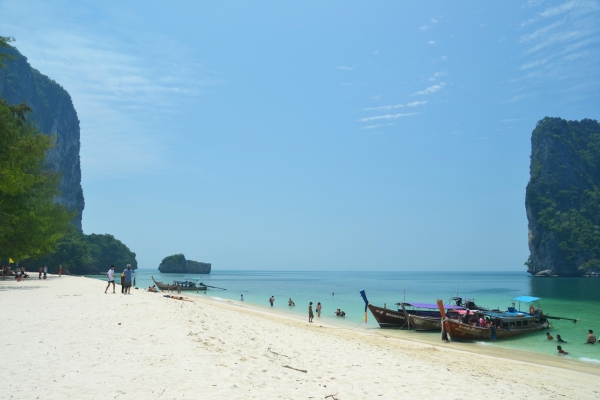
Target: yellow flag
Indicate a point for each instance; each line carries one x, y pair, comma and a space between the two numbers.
10, 261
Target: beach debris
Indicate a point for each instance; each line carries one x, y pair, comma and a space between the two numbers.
296, 369
271, 351
332, 396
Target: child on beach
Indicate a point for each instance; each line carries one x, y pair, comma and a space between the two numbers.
319, 309
549, 336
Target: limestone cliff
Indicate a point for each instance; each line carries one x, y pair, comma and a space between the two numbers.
54, 114
563, 198
178, 264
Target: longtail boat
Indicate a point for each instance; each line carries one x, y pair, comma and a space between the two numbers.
389, 318
507, 324
427, 317
185, 285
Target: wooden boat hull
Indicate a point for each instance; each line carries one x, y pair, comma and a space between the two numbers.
420, 323
164, 286
387, 318
461, 331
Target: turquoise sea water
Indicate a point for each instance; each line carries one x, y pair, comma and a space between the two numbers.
568, 297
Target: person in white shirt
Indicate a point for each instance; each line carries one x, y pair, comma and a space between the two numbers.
111, 278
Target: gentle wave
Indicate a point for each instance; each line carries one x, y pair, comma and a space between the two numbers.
589, 360
483, 343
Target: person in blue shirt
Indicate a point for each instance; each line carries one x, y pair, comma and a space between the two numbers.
127, 283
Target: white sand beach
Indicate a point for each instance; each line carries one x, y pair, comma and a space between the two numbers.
63, 338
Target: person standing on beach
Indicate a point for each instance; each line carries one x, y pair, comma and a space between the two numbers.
272, 300
123, 282
60, 271
242, 297
127, 281
111, 278
319, 309
310, 312
45, 271
40, 272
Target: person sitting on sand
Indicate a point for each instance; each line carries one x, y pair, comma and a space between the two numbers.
291, 302
559, 339
549, 336
150, 289
561, 352
591, 338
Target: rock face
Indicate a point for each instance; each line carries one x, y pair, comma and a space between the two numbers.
54, 114
563, 198
178, 264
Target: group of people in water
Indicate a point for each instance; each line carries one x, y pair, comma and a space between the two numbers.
591, 339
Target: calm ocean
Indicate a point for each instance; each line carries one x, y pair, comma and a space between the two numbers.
568, 297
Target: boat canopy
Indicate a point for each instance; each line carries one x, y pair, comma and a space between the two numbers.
431, 305
507, 315
526, 299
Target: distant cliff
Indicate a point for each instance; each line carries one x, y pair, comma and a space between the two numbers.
54, 114
178, 264
563, 198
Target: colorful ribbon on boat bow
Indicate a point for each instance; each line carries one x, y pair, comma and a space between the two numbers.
364, 296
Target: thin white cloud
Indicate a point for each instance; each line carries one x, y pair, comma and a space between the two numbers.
395, 106
518, 97
424, 28
417, 103
119, 88
344, 68
444, 58
437, 75
431, 89
383, 108
434, 21
386, 117
377, 126
560, 47
431, 42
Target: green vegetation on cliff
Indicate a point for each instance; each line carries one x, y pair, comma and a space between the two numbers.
31, 223
178, 264
87, 255
563, 197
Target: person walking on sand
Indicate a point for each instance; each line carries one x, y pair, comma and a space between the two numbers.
111, 278
40, 272
310, 312
272, 300
319, 309
127, 281
60, 271
123, 282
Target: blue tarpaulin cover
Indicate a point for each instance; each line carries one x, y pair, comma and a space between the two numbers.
526, 299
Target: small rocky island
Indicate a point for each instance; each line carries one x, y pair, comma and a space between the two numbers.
178, 264
563, 198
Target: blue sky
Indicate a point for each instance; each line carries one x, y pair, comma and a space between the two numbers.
313, 135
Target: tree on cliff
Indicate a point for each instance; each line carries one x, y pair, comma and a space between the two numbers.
88, 254
563, 197
4, 42
30, 222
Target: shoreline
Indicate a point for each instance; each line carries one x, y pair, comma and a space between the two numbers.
529, 357
81, 343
